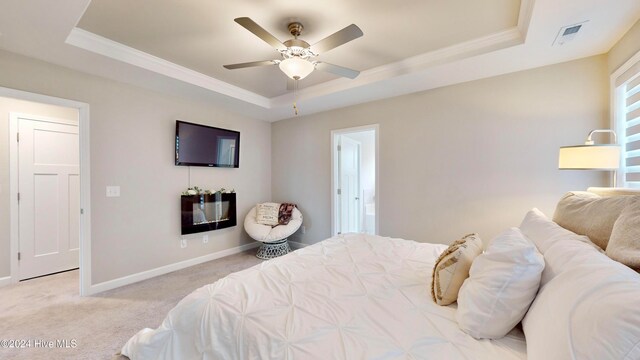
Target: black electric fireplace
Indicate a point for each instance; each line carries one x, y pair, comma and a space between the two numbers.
208, 212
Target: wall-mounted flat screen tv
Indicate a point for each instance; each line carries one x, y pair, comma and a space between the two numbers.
201, 145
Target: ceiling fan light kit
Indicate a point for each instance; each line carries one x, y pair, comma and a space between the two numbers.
297, 55
296, 67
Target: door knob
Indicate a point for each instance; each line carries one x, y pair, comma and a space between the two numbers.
357, 198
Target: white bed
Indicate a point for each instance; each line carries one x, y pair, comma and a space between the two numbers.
367, 297
354, 296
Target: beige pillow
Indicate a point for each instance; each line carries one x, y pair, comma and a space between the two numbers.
589, 214
609, 191
267, 213
624, 245
452, 268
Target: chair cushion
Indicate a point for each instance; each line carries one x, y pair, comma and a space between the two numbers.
266, 233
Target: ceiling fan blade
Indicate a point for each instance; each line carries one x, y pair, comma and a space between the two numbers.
336, 39
258, 31
250, 64
337, 70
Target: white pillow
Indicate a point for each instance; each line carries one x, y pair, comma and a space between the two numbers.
267, 213
544, 232
587, 310
502, 284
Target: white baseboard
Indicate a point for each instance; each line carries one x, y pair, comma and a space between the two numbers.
297, 245
133, 278
4, 281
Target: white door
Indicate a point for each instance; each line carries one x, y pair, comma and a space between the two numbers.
349, 185
49, 197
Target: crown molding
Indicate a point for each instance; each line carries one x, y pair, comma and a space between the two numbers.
524, 18
100, 45
492, 42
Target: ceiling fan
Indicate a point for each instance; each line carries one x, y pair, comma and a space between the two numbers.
298, 57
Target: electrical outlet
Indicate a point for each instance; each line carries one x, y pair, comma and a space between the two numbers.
183, 243
304, 229
205, 239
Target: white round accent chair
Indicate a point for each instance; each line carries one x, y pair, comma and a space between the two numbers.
274, 239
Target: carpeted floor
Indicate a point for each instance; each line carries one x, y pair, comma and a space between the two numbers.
49, 309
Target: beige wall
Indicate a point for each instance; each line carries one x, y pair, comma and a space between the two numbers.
132, 145
467, 158
7, 106
624, 49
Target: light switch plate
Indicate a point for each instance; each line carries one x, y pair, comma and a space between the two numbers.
183, 243
113, 191
205, 239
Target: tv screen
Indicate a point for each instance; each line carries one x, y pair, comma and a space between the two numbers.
201, 145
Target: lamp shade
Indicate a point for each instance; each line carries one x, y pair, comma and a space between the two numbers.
296, 68
589, 157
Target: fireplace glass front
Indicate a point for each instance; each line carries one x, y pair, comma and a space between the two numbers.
208, 212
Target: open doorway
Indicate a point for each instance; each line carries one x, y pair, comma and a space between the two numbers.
45, 184
355, 180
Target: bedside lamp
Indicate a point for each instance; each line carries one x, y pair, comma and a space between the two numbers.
591, 156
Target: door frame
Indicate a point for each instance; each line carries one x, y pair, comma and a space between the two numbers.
334, 173
85, 182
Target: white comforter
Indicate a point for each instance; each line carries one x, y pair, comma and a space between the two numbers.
349, 297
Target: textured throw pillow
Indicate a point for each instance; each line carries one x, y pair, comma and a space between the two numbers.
502, 283
588, 310
624, 244
589, 214
285, 212
267, 214
452, 268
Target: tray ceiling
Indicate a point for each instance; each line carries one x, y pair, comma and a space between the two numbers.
201, 35
179, 47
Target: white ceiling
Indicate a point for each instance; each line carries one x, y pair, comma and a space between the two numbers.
179, 47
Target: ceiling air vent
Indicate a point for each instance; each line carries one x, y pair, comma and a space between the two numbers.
568, 33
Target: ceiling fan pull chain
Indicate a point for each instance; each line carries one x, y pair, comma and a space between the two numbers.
295, 87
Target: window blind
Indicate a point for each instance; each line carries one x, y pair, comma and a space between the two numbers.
631, 125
